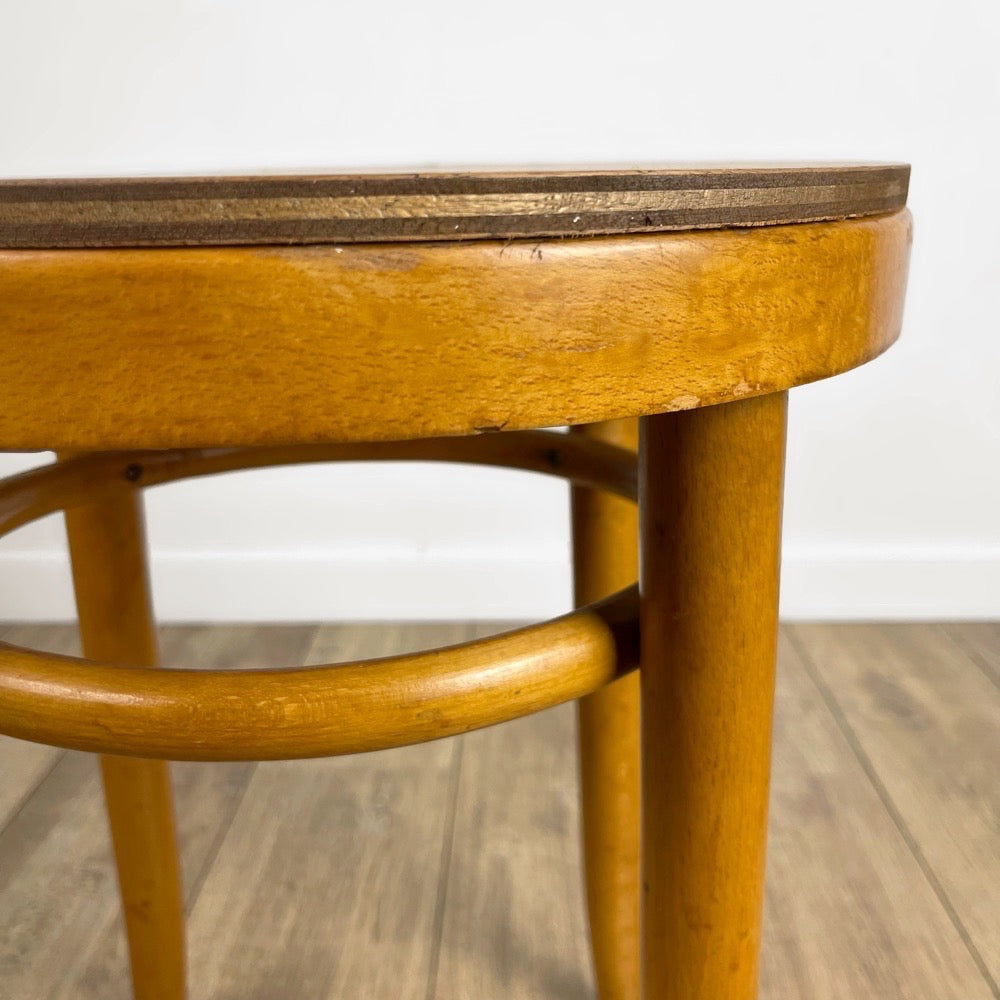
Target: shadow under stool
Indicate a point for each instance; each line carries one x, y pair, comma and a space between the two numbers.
158, 329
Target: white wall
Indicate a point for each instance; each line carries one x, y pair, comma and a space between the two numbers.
893, 499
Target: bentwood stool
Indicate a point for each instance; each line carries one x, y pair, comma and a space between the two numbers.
153, 330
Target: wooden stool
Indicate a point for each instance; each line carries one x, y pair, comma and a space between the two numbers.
160, 329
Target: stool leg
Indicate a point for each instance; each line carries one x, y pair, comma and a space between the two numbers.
710, 510
107, 546
606, 559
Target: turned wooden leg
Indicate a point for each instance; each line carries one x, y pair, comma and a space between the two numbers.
606, 559
107, 546
710, 509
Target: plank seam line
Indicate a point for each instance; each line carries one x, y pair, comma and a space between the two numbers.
444, 870
217, 840
29, 794
971, 654
883, 793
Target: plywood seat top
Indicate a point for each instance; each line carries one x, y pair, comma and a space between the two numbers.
413, 206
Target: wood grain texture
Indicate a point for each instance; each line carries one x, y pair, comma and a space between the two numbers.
710, 497
227, 346
434, 206
890, 687
192, 714
606, 558
107, 544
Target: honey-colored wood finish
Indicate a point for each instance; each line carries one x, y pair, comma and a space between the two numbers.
268, 345
60, 890
271, 355
606, 558
91, 478
107, 546
435, 206
306, 712
323, 711
710, 496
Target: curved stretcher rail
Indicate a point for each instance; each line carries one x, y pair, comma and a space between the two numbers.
326, 710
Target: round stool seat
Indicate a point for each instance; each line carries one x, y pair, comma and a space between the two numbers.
157, 329
349, 341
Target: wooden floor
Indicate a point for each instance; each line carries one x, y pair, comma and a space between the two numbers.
451, 871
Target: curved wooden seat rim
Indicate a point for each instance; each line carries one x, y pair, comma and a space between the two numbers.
322, 710
238, 346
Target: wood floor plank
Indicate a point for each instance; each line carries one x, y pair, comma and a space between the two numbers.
457, 864
325, 886
236, 645
514, 913
56, 881
981, 641
61, 896
848, 912
514, 924
23, 765
927, 721
207, 795
49, 638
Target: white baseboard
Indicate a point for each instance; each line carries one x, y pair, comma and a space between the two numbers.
309, 587
819, 583
890, 583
